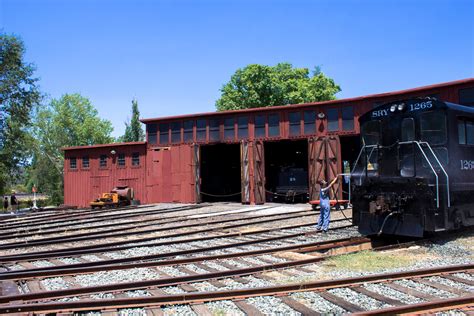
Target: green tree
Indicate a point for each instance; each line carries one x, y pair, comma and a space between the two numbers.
133, 128
261, 86
19, 94
69, 121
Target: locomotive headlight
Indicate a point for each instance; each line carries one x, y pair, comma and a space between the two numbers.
393, 108
401, 107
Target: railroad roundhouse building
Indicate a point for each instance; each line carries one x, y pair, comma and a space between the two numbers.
236, 155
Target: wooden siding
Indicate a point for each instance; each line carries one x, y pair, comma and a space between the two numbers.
167, 171
446, 92
170, 176
82, 185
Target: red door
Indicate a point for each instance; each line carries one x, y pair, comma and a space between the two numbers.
196, 164
259, 166
245, 171
323, 164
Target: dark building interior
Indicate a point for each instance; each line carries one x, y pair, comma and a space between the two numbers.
220, 173
286, 170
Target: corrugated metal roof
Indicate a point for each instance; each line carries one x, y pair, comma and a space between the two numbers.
303, 105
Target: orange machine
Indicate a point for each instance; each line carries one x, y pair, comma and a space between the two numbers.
119, 196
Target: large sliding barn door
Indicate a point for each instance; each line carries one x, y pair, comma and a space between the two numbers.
245, 171
323, 164
333, 165
259, 172
314, 167
196, 162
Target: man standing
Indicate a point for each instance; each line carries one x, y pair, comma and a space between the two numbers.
13, 202
5, 203
324, 205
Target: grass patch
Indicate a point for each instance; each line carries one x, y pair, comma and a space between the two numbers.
297, 279
219, 312
369, 261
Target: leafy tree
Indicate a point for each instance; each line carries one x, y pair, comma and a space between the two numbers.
70, 121
133, 129
19, 93
261, 86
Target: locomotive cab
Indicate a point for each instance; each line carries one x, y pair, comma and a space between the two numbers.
402, 181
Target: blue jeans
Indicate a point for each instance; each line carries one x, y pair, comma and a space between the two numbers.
324, 215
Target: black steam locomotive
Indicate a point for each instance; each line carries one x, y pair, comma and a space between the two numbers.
292, 185
415, 171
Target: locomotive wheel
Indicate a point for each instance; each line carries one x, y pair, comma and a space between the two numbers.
458, 222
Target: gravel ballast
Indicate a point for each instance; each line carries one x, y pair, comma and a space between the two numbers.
365, 302
442, 252
316, 302
116, 276
389, 292
270, 305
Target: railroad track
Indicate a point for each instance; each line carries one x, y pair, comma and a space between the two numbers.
228, 242
208, 232
179, 224
259, 241
209, 263
135, 230
451, 287
24, 221
84, 222
76, 220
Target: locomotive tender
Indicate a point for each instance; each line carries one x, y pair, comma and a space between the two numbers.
415, 171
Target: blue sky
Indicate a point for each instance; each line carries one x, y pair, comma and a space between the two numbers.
174, 56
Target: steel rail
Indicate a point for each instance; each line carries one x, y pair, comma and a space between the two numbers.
162, 282
69, 238
153, 221
25, 219
50, 230
31, 219
116, 246
32, 215
86, 236
119, 245
72, 220
189, 298
134, 262
36, 231
425, 307
26, 216
40, 213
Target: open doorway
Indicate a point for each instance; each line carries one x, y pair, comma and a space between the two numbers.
220, 173
286, 171
350, 147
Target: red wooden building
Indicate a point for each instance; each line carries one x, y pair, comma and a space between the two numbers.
235, 155
91, 170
